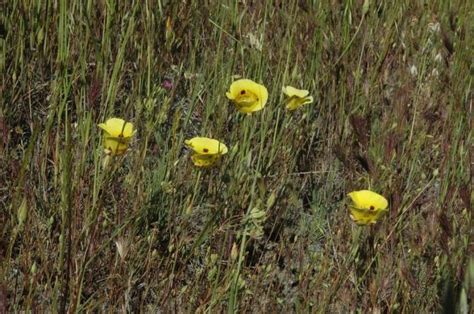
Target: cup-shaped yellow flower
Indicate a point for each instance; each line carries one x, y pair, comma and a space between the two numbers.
117, 135
367, 206
247, 95
207, 151
296, 97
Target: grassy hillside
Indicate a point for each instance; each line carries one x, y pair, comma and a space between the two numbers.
267, 229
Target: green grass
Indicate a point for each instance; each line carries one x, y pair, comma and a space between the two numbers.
267, 230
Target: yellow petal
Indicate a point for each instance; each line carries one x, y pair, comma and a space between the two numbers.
206, 146
263, 96
248, 109
365, 216
291, 92
115, 145
200, 160
117, 127
294, 103
308, 100
359, 217
366, 199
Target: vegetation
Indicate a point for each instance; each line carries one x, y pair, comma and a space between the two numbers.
267, 229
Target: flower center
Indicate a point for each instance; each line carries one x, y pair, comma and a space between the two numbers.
205, 150
371, 207
246, 99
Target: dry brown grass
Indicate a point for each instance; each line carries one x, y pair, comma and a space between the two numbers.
392, 111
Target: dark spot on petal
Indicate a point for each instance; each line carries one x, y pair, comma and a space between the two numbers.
242, 92
205, 150
372, 207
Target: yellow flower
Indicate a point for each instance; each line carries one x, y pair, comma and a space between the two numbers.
247, 95
206, 150
117, 135
367, 206
296, 97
